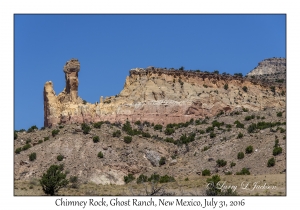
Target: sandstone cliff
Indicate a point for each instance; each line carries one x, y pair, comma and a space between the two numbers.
160, 96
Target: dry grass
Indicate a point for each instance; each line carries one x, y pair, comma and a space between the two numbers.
194, 186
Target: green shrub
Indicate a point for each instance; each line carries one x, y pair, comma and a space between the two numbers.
46, 138
215, 123
206, 172
61, 126
245, 89
271, 162
166, 178
228, 173
240, 135
201, 131
40, 141
55, 132
170, 140
239, 124
258, 117
18, 150
184, 139
96, 139
100, 154
15, 135
60, 157
154, 178
212, 135
26, 147
251, 128
240, 155
158, 127
244, 171
162, 161
146, 135
232, 164
53, 180
127, 139
226, 86
117, 133
279, 114
249, 149
98, 124
209, 129
221, 162
169, 131
32, 156
141, 179
32, 128
85, 128
128, 178
186, 179
138, 122
277, 151
245, 109
28, 141
228, 126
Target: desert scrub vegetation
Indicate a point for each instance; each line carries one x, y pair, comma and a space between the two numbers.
117, 133
55, 132
226, 86
277, 150
53, 180
60, 157
244, 171
141, 179
240, 135
166, 178
98, 124
212, 135
245, 89
247, 118
85, 128
127, 139
263, 125
162, 161
239, 124
18, 150
206, 172
46, 138
279, 114
221, 162
15, 135
32, 156
217, 124
271, 162
158, 127
100, 155
129, 178
240, 155
96, 139
169, 131
249, 149
32, 128
26, 147
232, 164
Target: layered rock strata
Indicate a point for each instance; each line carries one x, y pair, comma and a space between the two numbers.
160, 96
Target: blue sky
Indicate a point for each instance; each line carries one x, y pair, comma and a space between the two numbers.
108, 46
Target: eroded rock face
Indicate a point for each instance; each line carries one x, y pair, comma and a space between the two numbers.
269, 66
71, 70
160, 96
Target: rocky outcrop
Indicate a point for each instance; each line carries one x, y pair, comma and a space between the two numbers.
269, 66
160, 96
